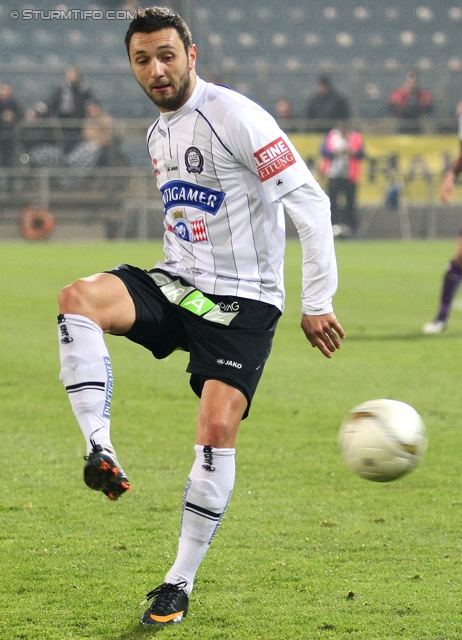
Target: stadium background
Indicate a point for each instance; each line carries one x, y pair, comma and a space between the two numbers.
267, 51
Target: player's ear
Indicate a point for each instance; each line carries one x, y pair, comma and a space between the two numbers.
192, 56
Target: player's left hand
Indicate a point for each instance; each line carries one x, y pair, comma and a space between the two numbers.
323, 332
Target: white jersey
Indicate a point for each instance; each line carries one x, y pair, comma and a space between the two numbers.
222, 164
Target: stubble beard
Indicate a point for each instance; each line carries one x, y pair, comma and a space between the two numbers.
174, 102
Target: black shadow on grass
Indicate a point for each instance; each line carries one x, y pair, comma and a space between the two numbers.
139, 633
402, 336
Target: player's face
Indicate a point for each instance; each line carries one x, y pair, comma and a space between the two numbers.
163, 68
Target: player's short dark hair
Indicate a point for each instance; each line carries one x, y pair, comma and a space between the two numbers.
155, 19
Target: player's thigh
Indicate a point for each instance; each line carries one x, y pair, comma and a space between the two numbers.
158, 326
103, 298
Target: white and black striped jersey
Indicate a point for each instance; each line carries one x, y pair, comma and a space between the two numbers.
222, 164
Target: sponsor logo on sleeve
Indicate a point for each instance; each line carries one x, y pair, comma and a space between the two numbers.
273, 158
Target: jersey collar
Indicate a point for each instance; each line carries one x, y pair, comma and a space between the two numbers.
190, 105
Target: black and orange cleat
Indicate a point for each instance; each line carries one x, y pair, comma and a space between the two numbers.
170, 605
104, 473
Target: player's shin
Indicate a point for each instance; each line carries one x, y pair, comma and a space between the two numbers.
451, 283
87, 375
206, 497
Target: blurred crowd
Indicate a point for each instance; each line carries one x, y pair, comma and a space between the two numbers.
409, 104
69, 129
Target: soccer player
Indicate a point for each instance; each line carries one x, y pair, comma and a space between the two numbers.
226, 172
453, 274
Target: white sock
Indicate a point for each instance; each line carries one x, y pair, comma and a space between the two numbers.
86, 373
206, 497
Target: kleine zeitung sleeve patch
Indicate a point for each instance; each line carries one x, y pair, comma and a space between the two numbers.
273, 158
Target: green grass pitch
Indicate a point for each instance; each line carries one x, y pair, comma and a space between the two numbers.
307, 550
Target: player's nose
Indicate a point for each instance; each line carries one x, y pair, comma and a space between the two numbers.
157, 69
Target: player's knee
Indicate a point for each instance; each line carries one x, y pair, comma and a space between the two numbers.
219, 433
75, 298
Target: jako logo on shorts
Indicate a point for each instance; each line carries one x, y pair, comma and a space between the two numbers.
230, 363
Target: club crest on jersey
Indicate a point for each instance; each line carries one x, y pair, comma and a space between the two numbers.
177, 193
273, 158
194, 231
194, 160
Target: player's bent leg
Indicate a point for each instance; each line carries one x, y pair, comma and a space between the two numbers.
87, 307
102, 298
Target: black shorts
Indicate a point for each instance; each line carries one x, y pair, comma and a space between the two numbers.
228, 338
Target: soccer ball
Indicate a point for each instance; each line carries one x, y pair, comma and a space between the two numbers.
381, 440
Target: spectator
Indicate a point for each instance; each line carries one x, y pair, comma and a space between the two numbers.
327, 106
284, 115
342, 152
100, 146
410, 103
36, 130
10, 115
40, 141
70, 101
97, 135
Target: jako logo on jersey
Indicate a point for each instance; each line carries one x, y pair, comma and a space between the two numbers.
177, 193
273, 159
229, 363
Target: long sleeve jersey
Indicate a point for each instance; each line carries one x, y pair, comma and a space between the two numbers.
226, 171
